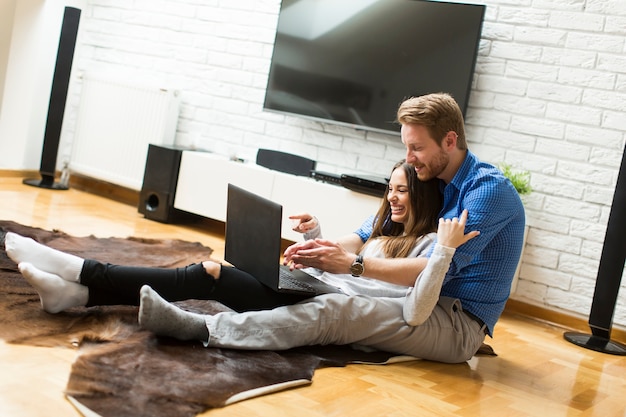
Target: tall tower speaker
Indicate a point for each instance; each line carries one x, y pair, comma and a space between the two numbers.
156, 199
609, 277
58, 97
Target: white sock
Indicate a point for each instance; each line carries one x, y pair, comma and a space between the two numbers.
24, 249
56, 294
165, 319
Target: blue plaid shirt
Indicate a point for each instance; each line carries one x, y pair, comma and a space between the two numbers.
482, 269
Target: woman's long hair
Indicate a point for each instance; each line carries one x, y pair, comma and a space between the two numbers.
426, 202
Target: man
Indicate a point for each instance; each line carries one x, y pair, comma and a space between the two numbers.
460, 289
482, 270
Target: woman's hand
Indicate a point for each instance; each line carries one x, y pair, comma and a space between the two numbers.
451, 232
319, 253
303, 223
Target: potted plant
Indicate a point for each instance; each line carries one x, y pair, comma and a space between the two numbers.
519, 178
521, 181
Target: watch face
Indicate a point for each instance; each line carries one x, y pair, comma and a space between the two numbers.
356, 269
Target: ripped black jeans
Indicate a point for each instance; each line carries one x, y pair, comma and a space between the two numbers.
111, 284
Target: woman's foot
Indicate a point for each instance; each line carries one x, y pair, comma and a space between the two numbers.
165, 319
56, 294
24, 249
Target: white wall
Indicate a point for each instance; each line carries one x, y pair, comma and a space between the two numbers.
549, 96
7, 12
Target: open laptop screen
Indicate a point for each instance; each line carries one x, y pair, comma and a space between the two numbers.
253, 235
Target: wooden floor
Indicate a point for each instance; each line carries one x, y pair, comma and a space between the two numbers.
537, 373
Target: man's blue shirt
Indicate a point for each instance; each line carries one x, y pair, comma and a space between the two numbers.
482, 269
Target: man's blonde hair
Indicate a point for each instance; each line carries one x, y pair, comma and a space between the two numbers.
438, 112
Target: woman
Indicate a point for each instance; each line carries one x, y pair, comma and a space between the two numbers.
404, 226
414, 325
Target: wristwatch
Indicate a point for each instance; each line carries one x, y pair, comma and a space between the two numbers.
357, 268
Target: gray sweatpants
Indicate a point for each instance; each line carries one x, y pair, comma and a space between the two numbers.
448, 335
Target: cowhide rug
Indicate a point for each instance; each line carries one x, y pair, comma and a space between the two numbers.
124, 371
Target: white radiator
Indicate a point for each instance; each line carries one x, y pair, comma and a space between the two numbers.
116, 122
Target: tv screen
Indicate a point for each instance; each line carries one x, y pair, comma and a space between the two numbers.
352, 62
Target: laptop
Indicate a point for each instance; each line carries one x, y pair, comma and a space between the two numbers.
253, 244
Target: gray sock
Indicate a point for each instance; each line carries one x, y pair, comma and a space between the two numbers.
165, 319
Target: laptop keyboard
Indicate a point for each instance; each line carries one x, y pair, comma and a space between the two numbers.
287, 280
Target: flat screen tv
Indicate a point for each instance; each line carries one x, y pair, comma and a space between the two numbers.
352, 62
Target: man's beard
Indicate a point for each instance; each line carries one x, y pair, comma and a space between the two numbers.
435, 168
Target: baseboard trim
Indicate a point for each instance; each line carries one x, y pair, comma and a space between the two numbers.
14, 173
105, 189
129, 196
566, 321
84, 183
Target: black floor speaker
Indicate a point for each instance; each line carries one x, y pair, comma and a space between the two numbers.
609, 277
58, 97
156, 199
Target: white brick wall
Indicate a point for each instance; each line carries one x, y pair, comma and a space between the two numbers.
549, 96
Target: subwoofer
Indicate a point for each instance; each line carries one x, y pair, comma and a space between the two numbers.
156, 199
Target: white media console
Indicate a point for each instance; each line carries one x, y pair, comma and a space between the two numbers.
202, 189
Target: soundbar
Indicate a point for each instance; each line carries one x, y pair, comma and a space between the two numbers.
365, 184
285, 162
